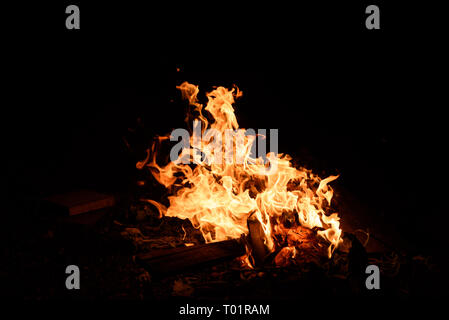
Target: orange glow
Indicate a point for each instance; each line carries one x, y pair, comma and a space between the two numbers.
218, 196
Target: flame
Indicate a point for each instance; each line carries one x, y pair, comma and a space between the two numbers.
219, 192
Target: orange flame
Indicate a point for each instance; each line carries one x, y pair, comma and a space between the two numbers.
219, 193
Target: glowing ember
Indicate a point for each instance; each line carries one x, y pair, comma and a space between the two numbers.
219, 191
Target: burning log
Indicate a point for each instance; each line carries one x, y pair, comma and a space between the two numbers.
302, 245
178, 259
256, 237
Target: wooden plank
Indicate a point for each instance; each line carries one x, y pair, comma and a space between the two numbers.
77, 202
178, 259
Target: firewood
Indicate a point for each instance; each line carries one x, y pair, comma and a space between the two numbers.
183, 258
74, 203
256, 238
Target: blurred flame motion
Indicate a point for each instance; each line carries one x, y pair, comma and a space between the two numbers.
218, 196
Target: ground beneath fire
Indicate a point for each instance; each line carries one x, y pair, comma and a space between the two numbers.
38, 252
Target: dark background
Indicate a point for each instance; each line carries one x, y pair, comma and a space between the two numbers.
368, 105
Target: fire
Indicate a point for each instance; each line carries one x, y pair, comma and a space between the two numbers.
224, 186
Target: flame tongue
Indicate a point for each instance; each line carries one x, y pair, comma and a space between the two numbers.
223, 188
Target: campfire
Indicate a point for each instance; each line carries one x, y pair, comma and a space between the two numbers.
280, 214
210, 215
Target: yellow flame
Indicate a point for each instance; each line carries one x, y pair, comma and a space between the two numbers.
218, 196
